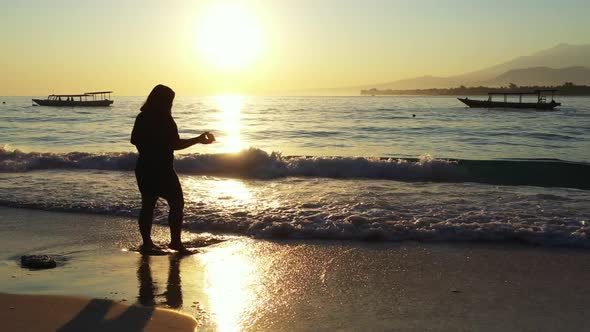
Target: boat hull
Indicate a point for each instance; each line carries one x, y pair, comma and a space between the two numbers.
64, 103
499, 104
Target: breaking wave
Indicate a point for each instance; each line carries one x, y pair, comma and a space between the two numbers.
258, 164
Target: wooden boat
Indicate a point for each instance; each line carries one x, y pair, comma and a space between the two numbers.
86, 99
541, 103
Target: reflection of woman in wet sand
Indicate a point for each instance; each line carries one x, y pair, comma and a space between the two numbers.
156, 137
148, 289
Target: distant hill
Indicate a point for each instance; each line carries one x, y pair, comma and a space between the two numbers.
554, 66
542, 76
562, 56
567, 89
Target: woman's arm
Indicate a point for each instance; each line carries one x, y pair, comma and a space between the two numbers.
204, 138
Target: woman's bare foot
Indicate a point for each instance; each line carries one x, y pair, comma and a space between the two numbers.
147, 247
177, 246
182, 250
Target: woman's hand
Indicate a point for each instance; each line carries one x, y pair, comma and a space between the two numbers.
206, 138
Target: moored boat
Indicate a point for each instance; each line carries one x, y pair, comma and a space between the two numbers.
541, 103
86, 99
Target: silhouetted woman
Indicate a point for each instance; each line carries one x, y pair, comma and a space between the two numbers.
156, 137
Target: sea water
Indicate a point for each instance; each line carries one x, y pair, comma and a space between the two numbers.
348, 168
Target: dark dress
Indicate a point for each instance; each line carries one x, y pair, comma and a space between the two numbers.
154, 135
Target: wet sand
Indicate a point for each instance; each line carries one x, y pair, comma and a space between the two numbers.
70, 314
264, 285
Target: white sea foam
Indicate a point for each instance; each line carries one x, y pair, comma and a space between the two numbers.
251, 163
321, 208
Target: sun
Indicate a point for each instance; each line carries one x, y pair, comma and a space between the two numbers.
229, 36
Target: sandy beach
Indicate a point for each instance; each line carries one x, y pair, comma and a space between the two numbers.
263, 285
66, 313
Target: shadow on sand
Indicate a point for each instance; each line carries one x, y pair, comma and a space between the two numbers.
135, 317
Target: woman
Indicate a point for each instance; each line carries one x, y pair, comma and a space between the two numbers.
156, 137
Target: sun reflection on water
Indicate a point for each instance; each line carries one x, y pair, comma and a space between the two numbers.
231, 279
232, 192
218, 191
230, 108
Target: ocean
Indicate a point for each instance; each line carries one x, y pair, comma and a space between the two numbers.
346, 168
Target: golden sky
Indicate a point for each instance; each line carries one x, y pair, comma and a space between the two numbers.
266, 47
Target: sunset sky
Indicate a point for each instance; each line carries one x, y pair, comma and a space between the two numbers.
266, 46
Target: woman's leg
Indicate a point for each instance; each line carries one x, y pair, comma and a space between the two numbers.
175, 200
146, 215
175, 217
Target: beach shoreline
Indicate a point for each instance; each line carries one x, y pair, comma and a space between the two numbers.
254, 284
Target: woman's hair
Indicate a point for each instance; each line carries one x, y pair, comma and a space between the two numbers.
159, 100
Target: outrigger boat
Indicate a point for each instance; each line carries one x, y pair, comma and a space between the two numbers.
541, 103
86, 99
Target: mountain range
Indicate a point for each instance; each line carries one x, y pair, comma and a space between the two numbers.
543, 76
553, 66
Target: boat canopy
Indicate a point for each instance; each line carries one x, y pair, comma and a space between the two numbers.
536, 92
539, 93
78, 95
85, 94
98, 92
95, 95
